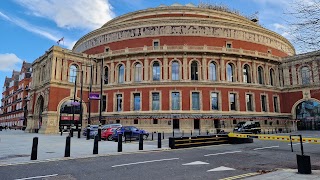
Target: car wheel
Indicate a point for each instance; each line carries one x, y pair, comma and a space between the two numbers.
109, 138
145, 137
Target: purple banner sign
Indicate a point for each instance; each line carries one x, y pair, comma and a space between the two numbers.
75, 103
94, 96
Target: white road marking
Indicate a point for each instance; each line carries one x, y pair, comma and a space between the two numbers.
265, 148
293, 144
221, 168
195, 163
38, 177
143, 162
230, 152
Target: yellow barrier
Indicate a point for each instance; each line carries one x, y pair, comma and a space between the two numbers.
276, 138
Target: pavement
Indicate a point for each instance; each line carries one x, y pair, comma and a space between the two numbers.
15, 148
287, 174
16, 145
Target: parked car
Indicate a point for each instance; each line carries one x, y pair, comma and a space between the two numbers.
107, 134
93, 128
249, 126
129, 132
106, 126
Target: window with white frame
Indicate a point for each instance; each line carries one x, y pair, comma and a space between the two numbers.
305, 75
212, 71
73, 73
136, 102
264, 103
195, 101
232, 101
137, 72
249, 102
271, 76
175, 71
275, 104
175, 101
214, 101
106, 75
121, 73
119, 102
156, 71
155, 101
194, 71
230, 72
246, 74
260, 75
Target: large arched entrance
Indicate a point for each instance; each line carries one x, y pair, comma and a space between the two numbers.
39, 111
308, 112
70, 114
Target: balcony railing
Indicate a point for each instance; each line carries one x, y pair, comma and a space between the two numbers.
187, 48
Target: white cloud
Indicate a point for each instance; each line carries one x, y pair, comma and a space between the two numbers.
9, 62
87, 14
44, 32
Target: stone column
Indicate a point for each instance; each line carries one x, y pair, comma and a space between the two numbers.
65, 68
222, 69
294, 75
185, 67
239, 70
113, 72
127, 71
286, 76
53, 68
204, 68
146, 69
165, 68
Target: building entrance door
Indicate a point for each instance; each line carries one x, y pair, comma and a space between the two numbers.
196, 124
176, 124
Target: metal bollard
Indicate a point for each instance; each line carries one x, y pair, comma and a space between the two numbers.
140, 141
272, 131
182, 133
88, 132
34, 150
268, 131
173, 133
199, 132
119, 142
79, 133
152, 136
191, 132
71, 132
67, 148
162, 134
159, 140
95, 144
99, 133
207, 132
61, 132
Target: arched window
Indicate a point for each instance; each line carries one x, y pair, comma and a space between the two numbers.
175, 75
121, 74
156, 71
271, 77
230, 72
73, 73
106, 75
305, 75
260, 75
138, 72
246, 74
212, 72
194, 70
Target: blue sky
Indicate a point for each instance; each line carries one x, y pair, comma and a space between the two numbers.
30, 27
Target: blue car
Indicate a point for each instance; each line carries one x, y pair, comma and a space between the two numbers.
129, 132
93, 131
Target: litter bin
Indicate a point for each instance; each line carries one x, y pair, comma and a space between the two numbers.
304, 164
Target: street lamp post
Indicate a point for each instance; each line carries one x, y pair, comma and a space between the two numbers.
101, 104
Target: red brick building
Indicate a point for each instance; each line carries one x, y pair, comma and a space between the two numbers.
176, 67
14, 100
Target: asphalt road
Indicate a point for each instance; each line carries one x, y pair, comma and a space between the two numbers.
231, 160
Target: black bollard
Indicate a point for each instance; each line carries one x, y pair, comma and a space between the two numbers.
99, 133
173, 133
199, 131
88, 132
61, 132
264, 131
95, 144
71, 132
182, 133
159, 140
34, 150
207, 132
140, 141
67, 148
272, 131
268, 131
79, 133
152, 136
119, 142
191, 132
162, 134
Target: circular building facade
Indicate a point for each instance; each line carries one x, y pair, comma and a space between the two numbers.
188, 68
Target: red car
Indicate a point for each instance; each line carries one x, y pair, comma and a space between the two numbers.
107, 134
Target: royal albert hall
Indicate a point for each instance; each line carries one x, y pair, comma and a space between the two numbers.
178, 67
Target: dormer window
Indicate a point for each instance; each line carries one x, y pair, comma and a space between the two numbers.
156, 44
